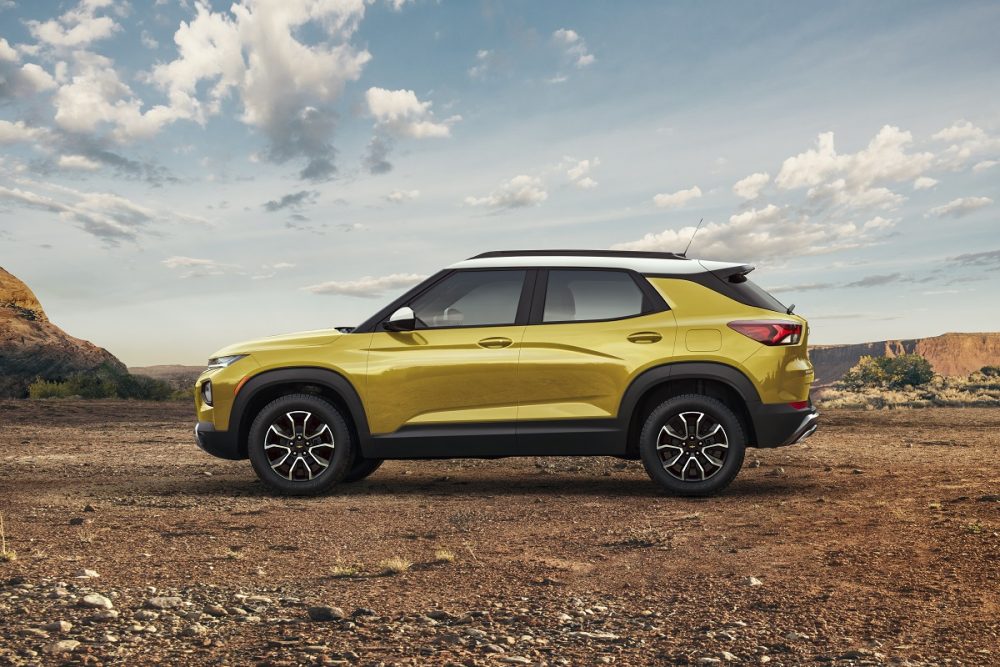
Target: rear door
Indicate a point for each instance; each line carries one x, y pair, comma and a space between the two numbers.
589, 331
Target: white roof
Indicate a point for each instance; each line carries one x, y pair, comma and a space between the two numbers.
638, 264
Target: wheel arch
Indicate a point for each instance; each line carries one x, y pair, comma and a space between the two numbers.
263, 388
655, 385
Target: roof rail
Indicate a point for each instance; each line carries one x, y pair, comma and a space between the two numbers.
578, 253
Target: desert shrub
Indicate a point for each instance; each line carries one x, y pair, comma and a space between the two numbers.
45, 389
906, 370
990, 371
104, 382
866, 373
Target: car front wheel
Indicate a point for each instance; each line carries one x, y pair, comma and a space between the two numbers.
300, 445
692, 445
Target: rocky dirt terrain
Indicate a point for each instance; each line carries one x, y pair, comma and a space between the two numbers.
876, 542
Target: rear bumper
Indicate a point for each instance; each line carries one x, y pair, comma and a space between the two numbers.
217, 443
778, 425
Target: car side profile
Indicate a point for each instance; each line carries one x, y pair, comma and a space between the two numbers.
679, 362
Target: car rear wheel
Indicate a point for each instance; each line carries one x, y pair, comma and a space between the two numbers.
362, 468
692, 445
300, 445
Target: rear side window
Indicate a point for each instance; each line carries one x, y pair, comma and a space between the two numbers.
740, 288
582, 295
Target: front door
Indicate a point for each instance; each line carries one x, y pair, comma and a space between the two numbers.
459, 366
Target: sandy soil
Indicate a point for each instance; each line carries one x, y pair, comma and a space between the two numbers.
876, 542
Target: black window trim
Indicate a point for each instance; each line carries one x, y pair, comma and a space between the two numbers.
376, 323
652, 301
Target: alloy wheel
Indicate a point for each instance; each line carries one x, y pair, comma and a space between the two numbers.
692, 446
298, 445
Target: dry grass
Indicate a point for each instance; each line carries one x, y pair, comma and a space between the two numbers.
975, 390
394, 565
343, 571
86, 535
6, 555
444, 556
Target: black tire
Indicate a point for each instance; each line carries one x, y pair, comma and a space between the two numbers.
658, 446
361, 468
339, 456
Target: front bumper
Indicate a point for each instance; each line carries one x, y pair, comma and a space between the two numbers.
779, 425
217, 443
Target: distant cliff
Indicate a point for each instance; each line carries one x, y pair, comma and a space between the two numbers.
949, 354
32, 347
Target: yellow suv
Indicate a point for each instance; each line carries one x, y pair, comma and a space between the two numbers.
679, 362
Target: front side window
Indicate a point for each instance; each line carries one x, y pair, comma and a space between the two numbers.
470, 299
582, 295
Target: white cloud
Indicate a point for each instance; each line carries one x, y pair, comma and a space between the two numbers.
20, 81
677, 199
575, 47
285, 86
367, 287
984, 165
579, 173
18, 131
838, 193
768, 233
95, 96
76, 28
400, 113
750, 187
7, 52
884, 159
878, 222
109, 217
80, 162
966, 141
924, 183
271, 270
960, 207
193, 267
399, 196
482, 64
148, 40
520, 191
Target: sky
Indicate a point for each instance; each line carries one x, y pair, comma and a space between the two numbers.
177, 175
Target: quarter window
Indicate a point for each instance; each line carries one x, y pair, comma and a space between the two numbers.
470, 299
582, 295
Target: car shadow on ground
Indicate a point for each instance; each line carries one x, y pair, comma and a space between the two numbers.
478, 487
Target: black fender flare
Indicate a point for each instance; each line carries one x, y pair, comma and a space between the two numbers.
700, 370
322, 377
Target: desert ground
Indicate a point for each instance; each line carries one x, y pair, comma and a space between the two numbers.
875, 542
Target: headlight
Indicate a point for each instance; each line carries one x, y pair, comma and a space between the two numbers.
222, 362
206, 392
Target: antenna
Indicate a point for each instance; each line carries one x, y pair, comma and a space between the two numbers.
684, 254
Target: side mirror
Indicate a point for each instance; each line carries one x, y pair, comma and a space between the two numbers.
402, 320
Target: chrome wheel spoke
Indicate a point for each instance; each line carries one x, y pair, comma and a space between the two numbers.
323, 428
711, 459
672, 433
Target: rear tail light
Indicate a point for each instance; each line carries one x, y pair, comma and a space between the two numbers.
769, 332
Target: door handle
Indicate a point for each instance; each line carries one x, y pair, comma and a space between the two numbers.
644, 337
495, 343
